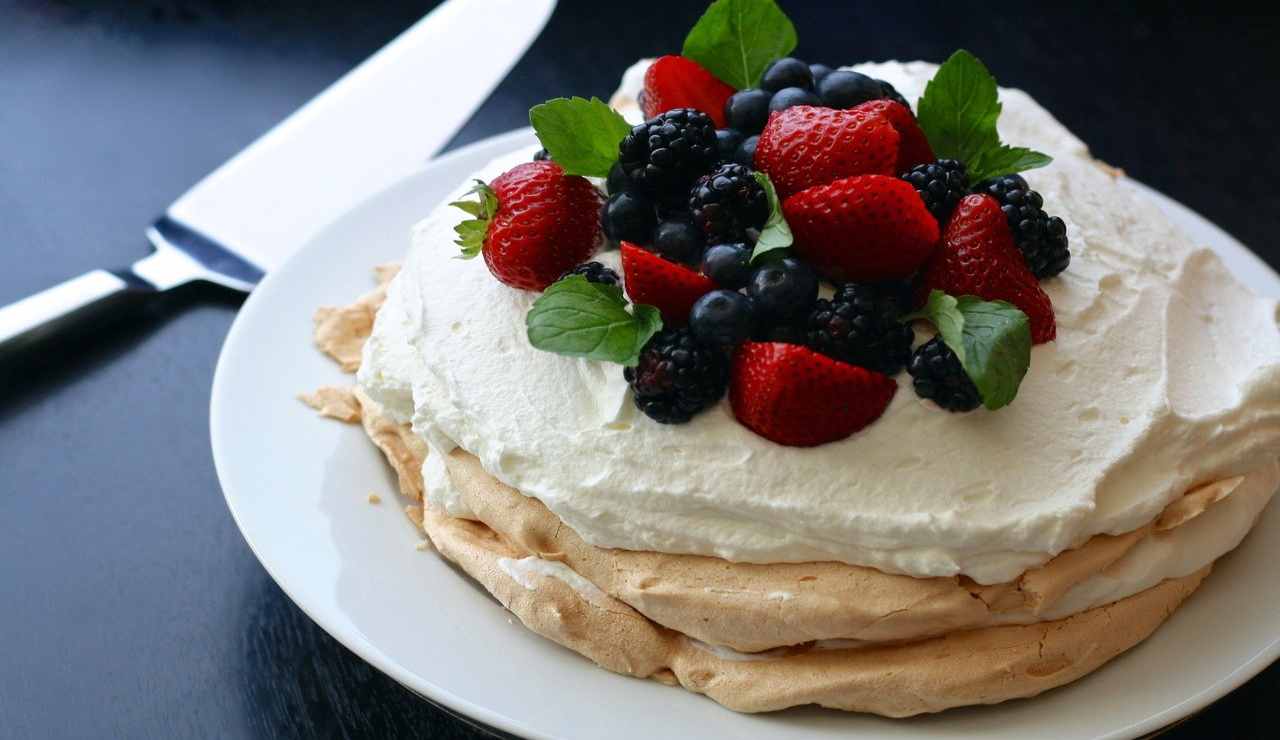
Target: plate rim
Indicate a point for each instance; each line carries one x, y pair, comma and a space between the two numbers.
362, 646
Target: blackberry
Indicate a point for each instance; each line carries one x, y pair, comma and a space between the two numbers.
677, 376
727, 202
666, 153
594, 272
937, 375
940, 184
859, 325
1041, 238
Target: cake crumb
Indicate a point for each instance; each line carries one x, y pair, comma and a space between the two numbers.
375, 498
422, 546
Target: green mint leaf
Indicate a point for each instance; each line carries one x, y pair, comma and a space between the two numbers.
992, 339
471, 231
581, 135
776, 233
1005, 160
579, 318
958, 114
736, 39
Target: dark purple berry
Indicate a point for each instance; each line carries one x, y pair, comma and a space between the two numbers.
789, 96
729, 265
787, 72
784, 289
628, 217
748, 110
936, 374
722, 318
845, 88
677, 376
678, 241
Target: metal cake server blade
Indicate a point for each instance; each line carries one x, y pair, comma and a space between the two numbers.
376, 125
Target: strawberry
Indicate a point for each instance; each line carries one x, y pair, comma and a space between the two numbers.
795, 396
679, 82
669, 287
978, 257
913, 147
864, 228
532, 224
804, 146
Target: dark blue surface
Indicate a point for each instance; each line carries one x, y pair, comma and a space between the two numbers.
131, 606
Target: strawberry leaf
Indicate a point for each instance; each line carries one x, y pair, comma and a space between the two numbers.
736, 39
471, 232
958, 114
776, 233
579, 318
992, 340
581, 135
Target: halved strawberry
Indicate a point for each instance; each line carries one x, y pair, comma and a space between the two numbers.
978, 257
797, 397
913, 146
679, 82
864, 228
669, 287
804, 146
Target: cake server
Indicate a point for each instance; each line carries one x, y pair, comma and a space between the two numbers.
377, 124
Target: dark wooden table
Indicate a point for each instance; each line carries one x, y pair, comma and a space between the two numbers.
129, 605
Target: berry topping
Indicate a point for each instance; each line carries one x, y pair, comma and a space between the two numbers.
746, 154
722, 318
819, 72
673, 82
1041, 238
784, 289
937, 375
532, 223
677, 376
728, 265
940, 184
665, 154
727, 142
542, 155
678, 241
727, 202
978, 257
859, 325
889, 92
748, 110
669, 287
787, 72
789, 97
866, 228
628, 217
617, 180
845, 88
913, 147
795, 396
806, 146
594, 272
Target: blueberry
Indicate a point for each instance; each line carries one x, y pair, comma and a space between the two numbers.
787, 332
789, 96
785, 289
722, 318
787, 72
728, 264
678, 241
845, 89
542, 155
748, 110
727, 141
628, 217
746, 154
617, 180
819, 71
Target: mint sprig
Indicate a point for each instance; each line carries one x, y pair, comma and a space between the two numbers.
992, 340
776, 233
471, 231
736, 39
581, 135
958, 114
579, 318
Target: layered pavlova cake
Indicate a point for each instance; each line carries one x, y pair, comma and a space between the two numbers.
773, 385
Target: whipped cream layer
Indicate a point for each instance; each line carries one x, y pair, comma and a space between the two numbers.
1165, 375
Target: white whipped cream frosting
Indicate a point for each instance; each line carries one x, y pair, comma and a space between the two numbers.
1165, 375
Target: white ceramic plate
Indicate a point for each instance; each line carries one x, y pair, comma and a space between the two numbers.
298, 485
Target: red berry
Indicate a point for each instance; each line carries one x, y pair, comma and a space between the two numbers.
671, 288
804, 146
537, 224
913, 146
978, 257
678, 82
795, 396
864, 228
